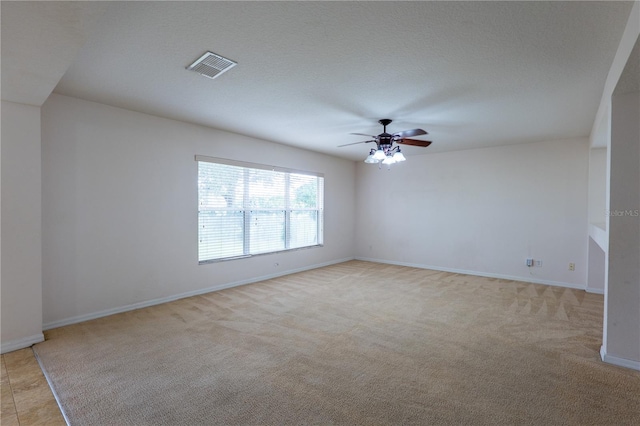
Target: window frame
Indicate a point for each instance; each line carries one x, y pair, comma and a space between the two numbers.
247, 210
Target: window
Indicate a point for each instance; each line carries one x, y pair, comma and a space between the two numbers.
247, 209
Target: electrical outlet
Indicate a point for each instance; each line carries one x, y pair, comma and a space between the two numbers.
572, 266
539, 263
529, 262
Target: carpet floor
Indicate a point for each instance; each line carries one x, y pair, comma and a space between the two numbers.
356, 343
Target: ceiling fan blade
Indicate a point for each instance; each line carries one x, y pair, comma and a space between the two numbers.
355, 143
409, 133
363, 134
414, 142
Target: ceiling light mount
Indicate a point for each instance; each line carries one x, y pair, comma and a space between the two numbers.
211, 65
385, 122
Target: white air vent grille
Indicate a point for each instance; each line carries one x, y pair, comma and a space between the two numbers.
211, 65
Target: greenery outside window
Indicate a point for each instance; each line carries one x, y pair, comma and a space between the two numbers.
246, 209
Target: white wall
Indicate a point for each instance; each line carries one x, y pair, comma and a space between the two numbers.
597, 268
120, 209
597, 185
598, 237
622, 325
480, 211
621, 328
21, 268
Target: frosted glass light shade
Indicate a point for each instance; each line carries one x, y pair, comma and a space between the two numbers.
398, 157
379, 155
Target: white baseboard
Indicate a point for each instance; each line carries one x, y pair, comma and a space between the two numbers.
25, 342
594, 290
476, 273
620, 362
133, 306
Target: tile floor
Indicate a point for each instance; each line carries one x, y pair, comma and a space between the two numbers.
26, 398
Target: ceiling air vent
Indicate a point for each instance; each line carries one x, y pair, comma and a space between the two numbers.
211, 65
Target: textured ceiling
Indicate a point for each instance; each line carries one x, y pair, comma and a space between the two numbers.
39, 41
472, 74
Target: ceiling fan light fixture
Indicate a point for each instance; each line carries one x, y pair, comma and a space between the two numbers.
370, 160
399, 157
387, 152
379, 155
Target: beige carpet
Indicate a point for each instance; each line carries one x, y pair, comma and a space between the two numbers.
353, 344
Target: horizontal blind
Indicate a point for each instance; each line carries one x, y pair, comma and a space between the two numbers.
247, 210
266, 199
220, 211
303, 194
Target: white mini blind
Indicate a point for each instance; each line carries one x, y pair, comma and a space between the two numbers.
246, 209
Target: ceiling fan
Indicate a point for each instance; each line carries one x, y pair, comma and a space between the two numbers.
386, 152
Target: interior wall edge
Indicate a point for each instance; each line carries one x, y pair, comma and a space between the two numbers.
24, 342
620, 362
21, 242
